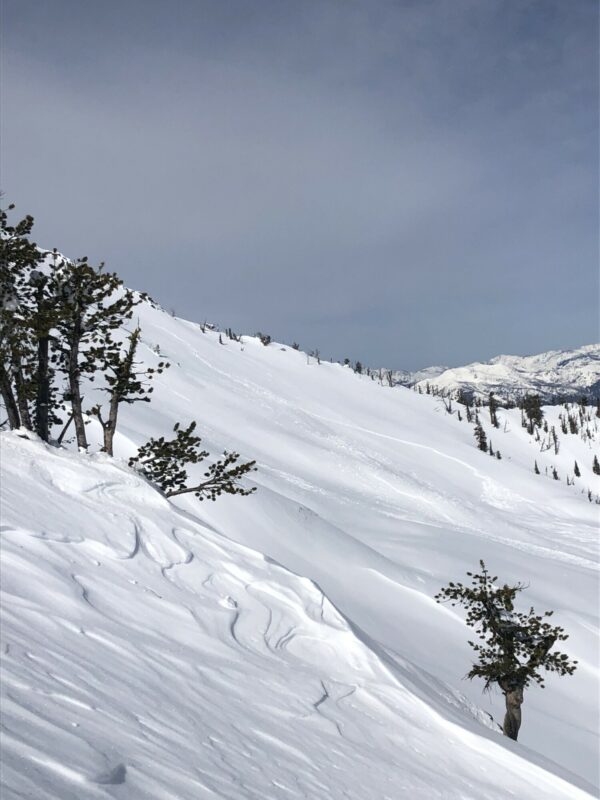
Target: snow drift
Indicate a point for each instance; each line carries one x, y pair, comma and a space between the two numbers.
287, 644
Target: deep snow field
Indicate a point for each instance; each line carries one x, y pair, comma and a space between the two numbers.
287, 644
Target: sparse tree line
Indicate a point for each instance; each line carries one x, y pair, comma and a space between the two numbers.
581, 418
64, 361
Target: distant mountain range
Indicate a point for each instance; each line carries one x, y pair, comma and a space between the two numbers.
553, 375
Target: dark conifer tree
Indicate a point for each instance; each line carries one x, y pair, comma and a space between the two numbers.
126, 382
576, 471
536, 469
532, 406
95, 306
481, 437
493, 404
19, 256
514, 647
164, 463
42, 306
596, 466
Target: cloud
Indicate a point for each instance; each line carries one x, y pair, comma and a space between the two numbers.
404, 183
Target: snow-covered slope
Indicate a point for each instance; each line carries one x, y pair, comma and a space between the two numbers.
552, 375
147, 655
287, 644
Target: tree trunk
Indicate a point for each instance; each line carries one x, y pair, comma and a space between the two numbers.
22, 401
512, 719
8, 398
110, 427
123, 375
42, 401
75, 389
65, 429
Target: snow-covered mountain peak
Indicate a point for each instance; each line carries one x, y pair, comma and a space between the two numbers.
554, 375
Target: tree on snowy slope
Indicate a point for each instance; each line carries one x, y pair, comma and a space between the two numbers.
481, 437
164, 463
57, 317
532, 406
515, 645
95, 306
126, 382
493, 404
18, 258
31, 306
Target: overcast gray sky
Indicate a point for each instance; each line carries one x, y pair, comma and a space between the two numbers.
406, 183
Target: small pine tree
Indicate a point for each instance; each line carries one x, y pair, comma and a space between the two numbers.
164, 463
596, 466
515, 645
576, 470
126, 382
480, 437
555, 474
532, 407
493, 405
536, 469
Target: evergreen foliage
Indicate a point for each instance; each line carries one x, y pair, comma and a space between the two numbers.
532, 406
164, 463
19, 257
596, 466
481, 437
60, 319
493, 405
126, 382
513, 647
31, 305
95, 306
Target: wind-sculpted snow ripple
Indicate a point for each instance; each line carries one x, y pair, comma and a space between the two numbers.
194, 667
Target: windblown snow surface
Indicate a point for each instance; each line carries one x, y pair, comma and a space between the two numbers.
287, 644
